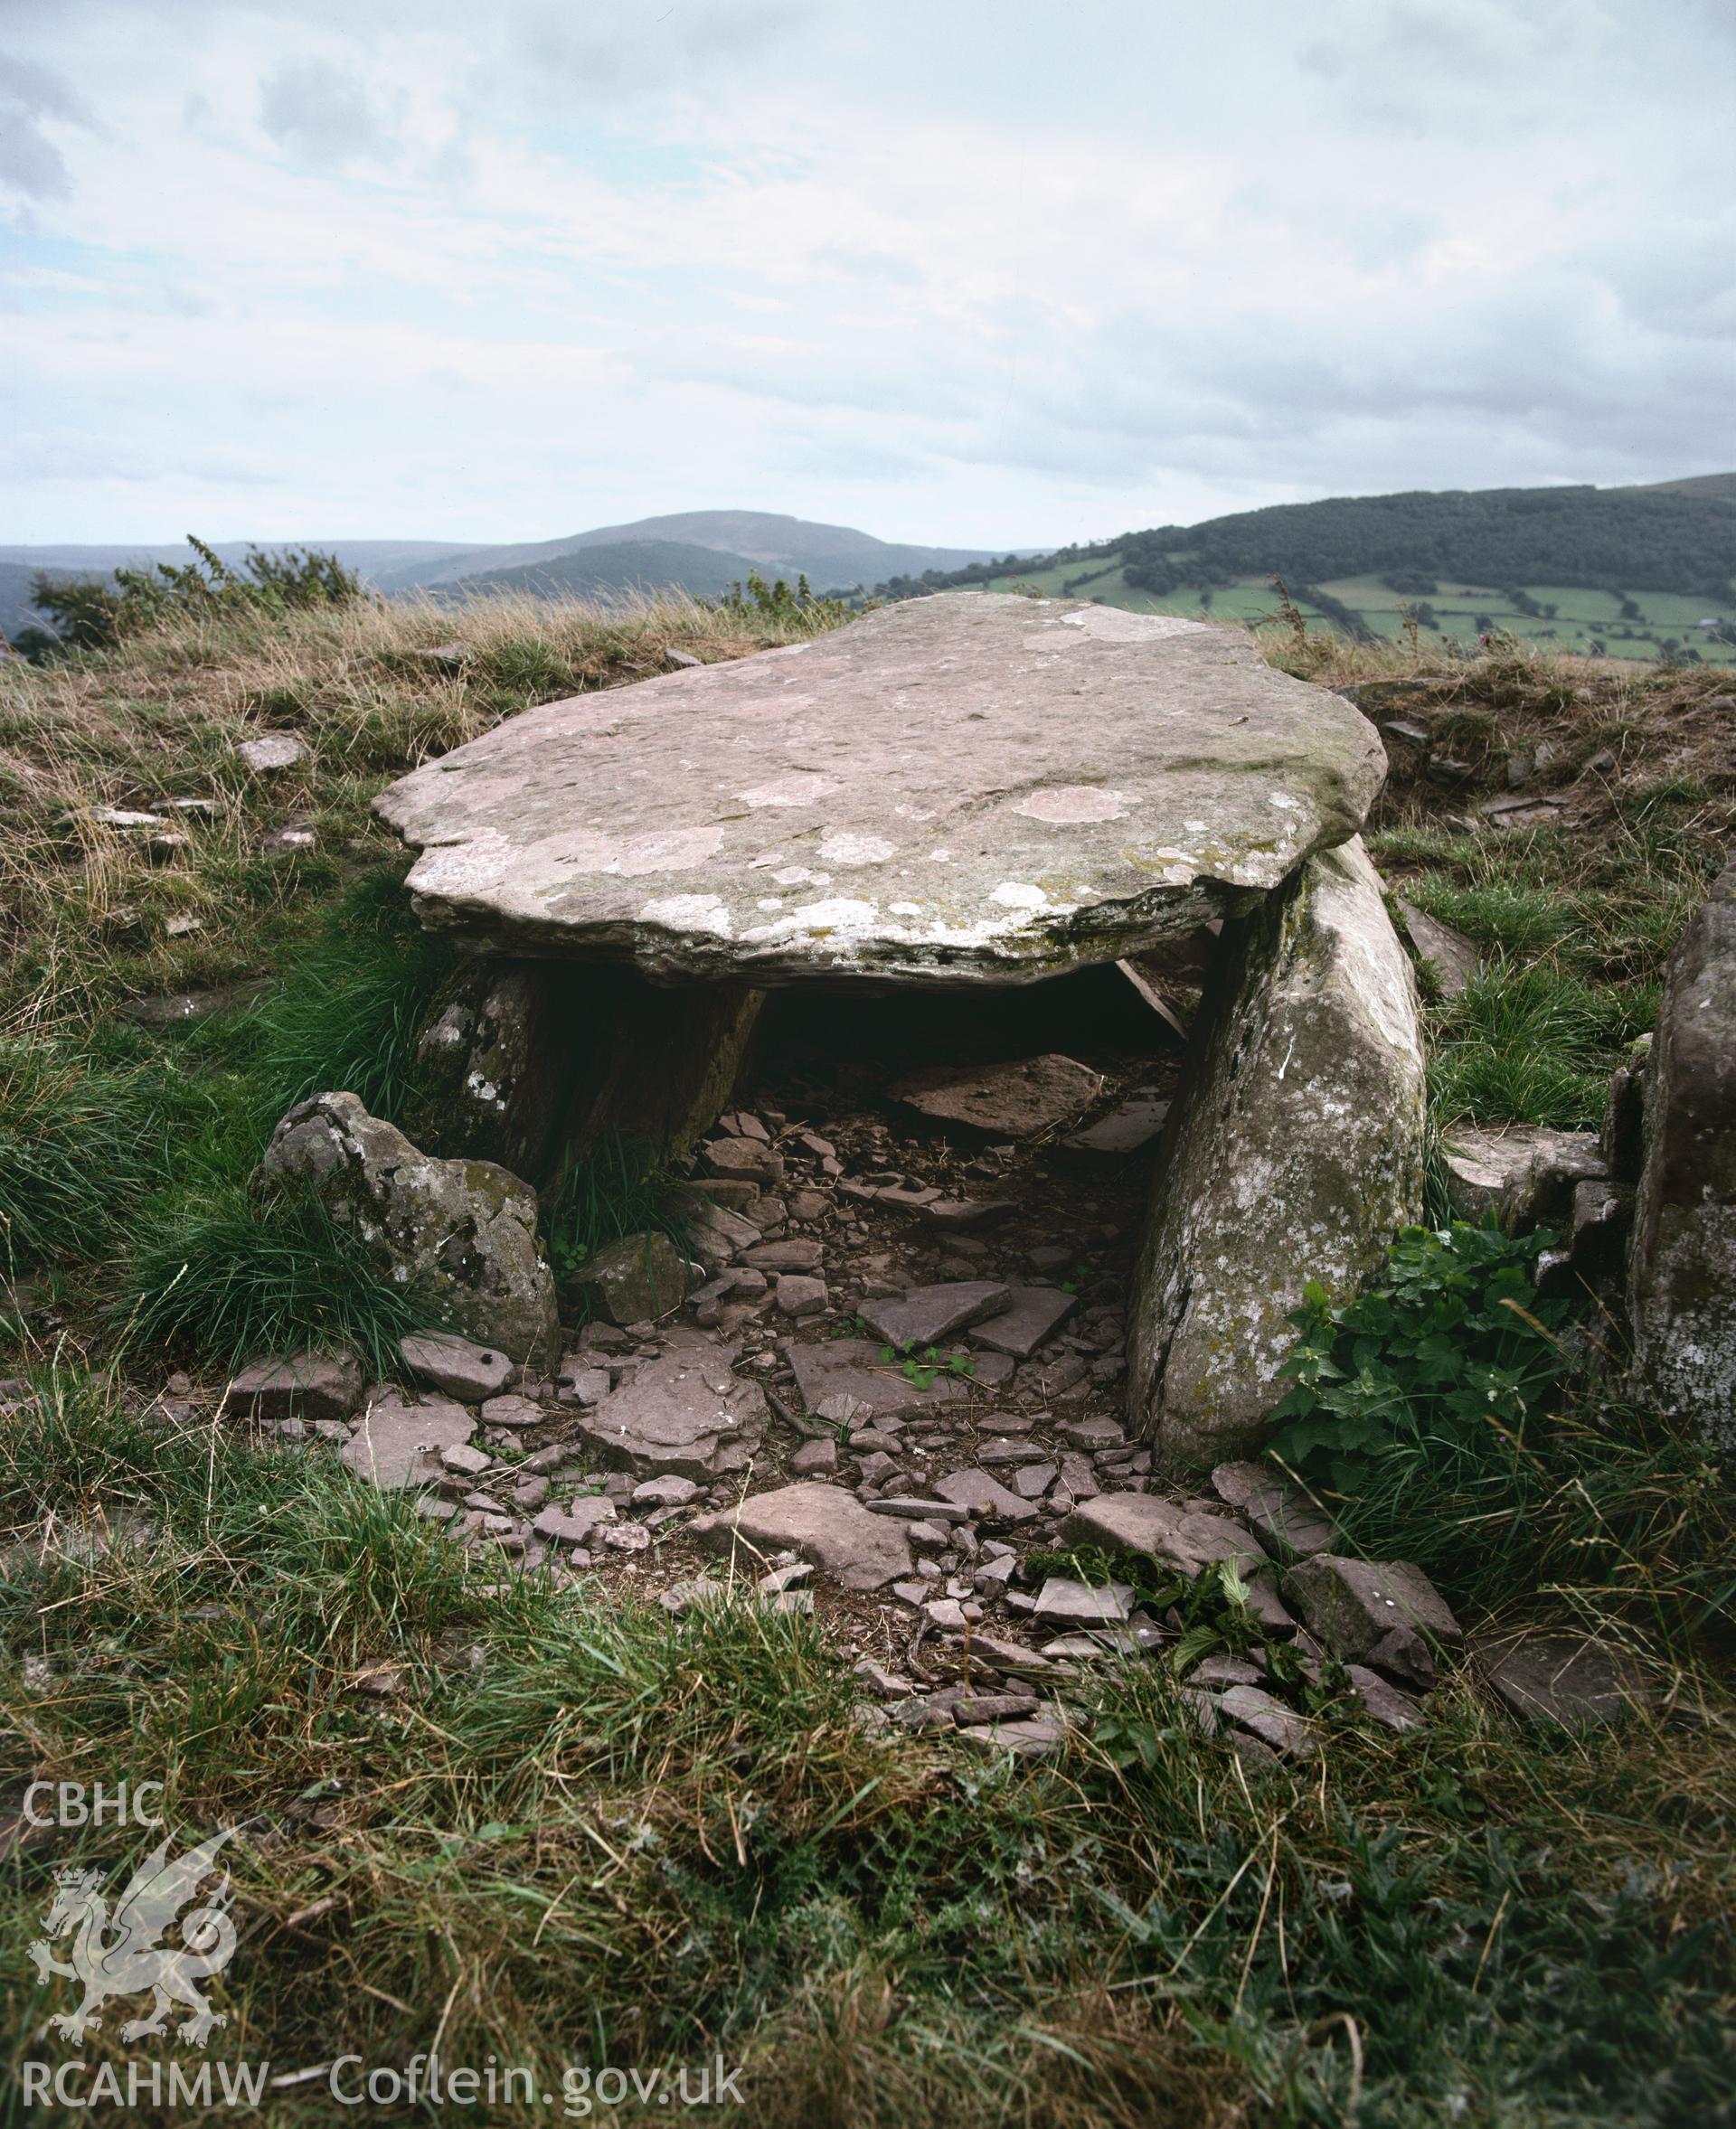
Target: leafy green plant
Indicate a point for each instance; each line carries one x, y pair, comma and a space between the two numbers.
92, 613
1451, 1358
780, 601
922, 1368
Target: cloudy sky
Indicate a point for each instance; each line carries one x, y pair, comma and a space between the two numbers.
982, 274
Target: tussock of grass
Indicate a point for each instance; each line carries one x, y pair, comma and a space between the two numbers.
78, 1149
348, 1015
232, 1276
623, 1188
1528, 1044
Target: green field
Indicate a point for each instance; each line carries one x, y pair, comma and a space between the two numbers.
1573, 617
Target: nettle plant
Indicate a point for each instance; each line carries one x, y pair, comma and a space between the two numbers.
921, 1364
1451, 1358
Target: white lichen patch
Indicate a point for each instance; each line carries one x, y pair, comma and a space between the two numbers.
800, 788
674, 850
1115, 625
689, 912
1012, 894
839, 846
1073, 805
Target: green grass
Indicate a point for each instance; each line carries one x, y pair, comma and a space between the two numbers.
585, 1832
124, 1149
1576, 926
346, 1016
624, 1188
228, 1277
78, 1147
1583, 619
1526, 1045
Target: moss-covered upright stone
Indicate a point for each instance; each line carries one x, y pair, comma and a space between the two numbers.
965, 789
1294, 1152
1682, 1293
495, 1062
533, 1064
457, 1236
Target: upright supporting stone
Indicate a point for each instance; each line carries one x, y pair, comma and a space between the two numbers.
497, 1062
1293, 1152
1682, 1291
531, 1063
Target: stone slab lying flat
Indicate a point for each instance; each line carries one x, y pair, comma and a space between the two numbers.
678, 1412
401, 1440
975, 786
1032, 1315
977, 1489
1563, 1678
1133, 1123
823, 1524
305, 1385
851, 1368
465, 1371
1186, 1539
927, 1312
1012, 1101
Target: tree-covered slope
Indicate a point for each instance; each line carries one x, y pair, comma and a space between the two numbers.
1613, 539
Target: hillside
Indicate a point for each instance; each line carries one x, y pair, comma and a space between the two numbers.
700, 551
827, 555
613, 565
1712, 487
1606, 571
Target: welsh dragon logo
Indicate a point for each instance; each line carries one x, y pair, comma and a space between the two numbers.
119, 1955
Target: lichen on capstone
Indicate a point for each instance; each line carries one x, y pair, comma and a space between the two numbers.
1038, 742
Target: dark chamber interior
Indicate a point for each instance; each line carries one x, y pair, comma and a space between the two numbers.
838, 1043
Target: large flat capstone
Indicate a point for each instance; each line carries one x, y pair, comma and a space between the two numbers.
972, 785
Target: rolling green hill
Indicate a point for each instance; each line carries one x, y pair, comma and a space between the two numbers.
1621, 572
828, 555
626, 565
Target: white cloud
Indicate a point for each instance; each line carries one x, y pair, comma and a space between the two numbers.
963, 275
321, 113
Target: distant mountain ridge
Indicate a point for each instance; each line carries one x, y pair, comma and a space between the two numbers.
703, 551
625, 565
831, 557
